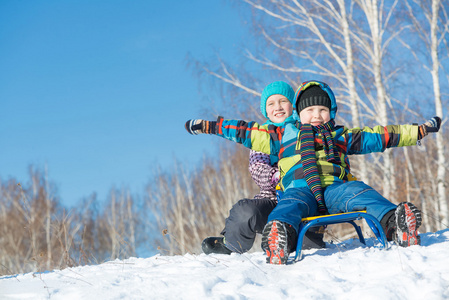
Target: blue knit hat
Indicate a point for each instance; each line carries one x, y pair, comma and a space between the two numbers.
276, 88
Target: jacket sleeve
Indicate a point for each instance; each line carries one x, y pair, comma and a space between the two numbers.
380, 138
250, 134
262, 171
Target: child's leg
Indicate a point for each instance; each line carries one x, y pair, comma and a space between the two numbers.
280, 234
246, 218
295, 204
356, 195
400, 223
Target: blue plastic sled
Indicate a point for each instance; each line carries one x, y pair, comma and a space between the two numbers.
350, 217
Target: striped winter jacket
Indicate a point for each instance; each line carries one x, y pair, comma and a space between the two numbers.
284, 142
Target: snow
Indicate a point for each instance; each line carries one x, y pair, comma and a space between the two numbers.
349, 270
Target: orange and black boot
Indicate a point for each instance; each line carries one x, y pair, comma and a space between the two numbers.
408, 219
278, 241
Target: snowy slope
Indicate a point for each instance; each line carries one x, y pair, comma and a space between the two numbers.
348, 270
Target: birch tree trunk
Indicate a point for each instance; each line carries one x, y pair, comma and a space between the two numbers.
48, 221
131, 224
112, 227
441, 172
432, 45
373, 13
353, 96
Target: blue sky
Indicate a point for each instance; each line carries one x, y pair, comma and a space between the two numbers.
99, 91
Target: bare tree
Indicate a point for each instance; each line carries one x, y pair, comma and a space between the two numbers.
372, 43
432, 30
37, 233
189, 206
117, 223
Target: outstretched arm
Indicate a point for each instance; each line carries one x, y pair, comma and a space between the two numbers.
380, 138
249, 134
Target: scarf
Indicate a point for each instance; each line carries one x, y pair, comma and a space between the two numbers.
308, 157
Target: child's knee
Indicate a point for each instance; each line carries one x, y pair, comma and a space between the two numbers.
244, 209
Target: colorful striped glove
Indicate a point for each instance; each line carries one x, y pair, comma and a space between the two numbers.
197, 126
432, 125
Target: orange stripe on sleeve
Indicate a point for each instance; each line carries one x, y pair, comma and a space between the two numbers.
387, 136
220, 123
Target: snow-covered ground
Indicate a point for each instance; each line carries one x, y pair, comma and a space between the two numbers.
348, 270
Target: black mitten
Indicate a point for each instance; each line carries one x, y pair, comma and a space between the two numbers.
432, 125
197, 126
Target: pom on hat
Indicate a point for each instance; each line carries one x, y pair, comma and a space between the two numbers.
311, 96
276, 88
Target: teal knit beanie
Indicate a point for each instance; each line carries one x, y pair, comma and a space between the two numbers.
276, 88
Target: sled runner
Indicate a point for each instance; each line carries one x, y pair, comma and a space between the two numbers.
350, 217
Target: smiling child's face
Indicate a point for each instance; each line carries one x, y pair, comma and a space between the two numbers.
278, 108
315, 115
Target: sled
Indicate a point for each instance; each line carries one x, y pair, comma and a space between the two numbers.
350, 217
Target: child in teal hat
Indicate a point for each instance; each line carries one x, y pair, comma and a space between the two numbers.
249, 216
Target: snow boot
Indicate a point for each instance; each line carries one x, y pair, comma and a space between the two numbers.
278, 240
313, 239
214, 245
388, 223
408, 219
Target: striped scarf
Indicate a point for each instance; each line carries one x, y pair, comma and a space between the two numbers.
308, 157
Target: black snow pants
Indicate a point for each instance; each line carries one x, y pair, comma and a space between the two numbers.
248, 217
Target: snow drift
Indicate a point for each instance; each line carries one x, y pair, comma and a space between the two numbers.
348, 270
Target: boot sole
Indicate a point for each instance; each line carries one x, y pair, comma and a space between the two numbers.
274, 243
408, 219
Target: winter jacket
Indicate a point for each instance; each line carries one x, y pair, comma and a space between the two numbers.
284, 142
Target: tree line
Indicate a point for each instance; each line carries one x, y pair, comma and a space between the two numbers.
38, 233
179, 208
